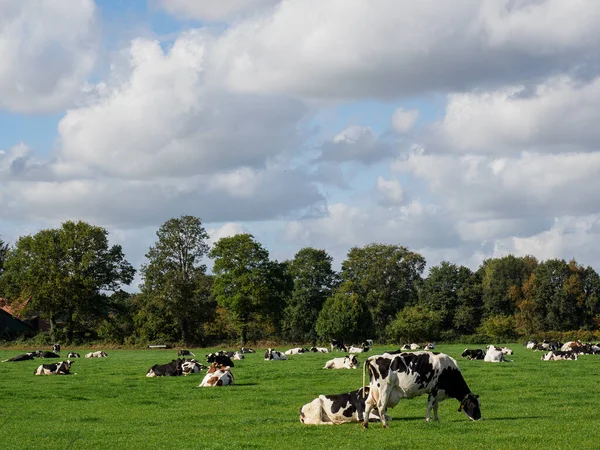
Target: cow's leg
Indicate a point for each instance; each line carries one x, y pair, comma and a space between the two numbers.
432, 402
436, 405
369, 403
382, 404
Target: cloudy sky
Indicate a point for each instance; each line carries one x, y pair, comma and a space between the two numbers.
462, 129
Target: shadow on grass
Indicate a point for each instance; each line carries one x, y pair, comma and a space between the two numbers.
246, 384
513, 418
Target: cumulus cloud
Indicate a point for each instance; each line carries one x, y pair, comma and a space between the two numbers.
48, 48
403, 121
391, 189
211, 10
356, 143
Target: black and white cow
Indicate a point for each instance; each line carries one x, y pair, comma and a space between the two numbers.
356, 349
338, 344
237, 356
559, 355
296, 351
473, 354
220, 358
171, 369
319, 350
347, 362
59, 368
73, 355
495, 355
48, 355
182, 352
23, 357
56, 348
217, 375
190, 366
98, 354
247, 350
531, 344
408, 375
337, 409
271, 354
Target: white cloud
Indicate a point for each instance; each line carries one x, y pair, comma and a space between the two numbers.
213, 10
225, 230
356, 143
47, 48
391, 189
403, 121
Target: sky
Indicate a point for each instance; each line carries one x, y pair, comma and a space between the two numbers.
462, 129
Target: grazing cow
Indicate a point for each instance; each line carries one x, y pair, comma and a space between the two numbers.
408, 375
190, 366
220, 358
237, 356
271, 354
182, 352
319, 350
171, 369
337, 409
495, 355
347, 362
98, 354
338, 344
247, 350
56, 348
73, 355
23, 357
48, 355
59, 368
217, 375
559, 355
295, 351
473, 354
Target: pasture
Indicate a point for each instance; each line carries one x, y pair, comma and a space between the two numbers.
110, 403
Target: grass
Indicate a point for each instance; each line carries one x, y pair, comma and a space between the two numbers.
110, 404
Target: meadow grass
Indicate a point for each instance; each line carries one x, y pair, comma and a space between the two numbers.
110, 403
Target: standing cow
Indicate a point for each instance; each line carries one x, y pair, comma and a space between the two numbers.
408, 375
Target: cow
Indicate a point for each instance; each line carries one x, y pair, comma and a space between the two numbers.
48, 355
429, 346
171, 369
409, 375
271, 354
337, 409
190, 366
473, 354
338, 344
559, 355
410, 347
495, 355
98, 354
347, 362
56, 348
295, 351
247, 350
354, 349
182, 352
368, 343
319, 350
23, 357
217, 375
237, 356
571, 345
505, 350
59, 368
531, 344
73, 355
220, 358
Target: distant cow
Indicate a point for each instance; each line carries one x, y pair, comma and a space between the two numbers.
48, 355
23, 357
413, 346
271, 354
337, 409
182, 352
98, 354
73, 355
171, 369
337, 344
429, 346
247, 350
494, 355
354, 349
571, 345
531, 344
295, 351
217, 375
558, 355
59, 368
408, 375
190, 366
238, 356
220, 358
56, 348
347, 362
319, 350
473, 354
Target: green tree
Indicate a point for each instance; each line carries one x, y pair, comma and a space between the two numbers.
498, 327
345, 316
65, 273
3, 253
386, 276
173, 280
415, 324
313, 280
246, 283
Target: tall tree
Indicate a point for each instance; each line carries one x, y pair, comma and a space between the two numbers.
3, 254
246, 283
173, 277
313, 280
386, 276
65, 273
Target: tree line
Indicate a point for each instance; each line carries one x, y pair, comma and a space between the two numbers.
71, 277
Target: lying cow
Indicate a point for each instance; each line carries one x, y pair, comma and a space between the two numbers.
295, 351
247, 350
217, 375
356, 349
473, 354
410, 347
571, 345
429, 346
182, 352
59, 368
337, 409
48, 355
271, 354
558, 355
237, 356
98, 354
409, 375
494, 355
23, 357
56, 348
190, 366
73, 355
319, 350
220, 358
531, 344
347, 362
171, 369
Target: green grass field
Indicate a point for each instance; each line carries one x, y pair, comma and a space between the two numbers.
110, 403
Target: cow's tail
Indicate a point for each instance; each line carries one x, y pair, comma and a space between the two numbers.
365, 364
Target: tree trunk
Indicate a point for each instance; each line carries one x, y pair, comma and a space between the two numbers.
244, 335
52, 328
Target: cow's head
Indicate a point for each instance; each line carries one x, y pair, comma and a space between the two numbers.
471, 406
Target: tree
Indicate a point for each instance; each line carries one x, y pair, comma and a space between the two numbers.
65, 273
246, 283
386, 276
313, 280
3, 253
415, 324
345, 316
173, 281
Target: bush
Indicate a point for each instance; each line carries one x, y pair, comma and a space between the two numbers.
345, 316
415, 324
498, 327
